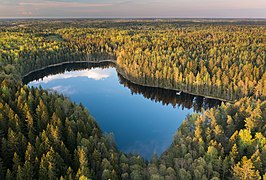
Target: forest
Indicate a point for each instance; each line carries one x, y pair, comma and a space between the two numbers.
221, 61
45, 135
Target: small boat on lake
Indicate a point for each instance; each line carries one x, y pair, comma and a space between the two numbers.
178, 93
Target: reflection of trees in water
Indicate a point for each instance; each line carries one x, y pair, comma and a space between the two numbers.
60, 69
166, 97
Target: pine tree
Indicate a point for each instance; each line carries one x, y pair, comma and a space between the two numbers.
28, 170
2, 168
16, 163
245, 170
83, 163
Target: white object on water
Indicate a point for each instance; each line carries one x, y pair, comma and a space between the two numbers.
178, 93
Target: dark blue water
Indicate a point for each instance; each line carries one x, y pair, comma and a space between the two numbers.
139, 124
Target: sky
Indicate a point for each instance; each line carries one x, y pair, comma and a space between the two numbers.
133, 8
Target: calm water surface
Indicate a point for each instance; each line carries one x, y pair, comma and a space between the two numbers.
143, 120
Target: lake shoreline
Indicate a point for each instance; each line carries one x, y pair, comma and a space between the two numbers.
168, 88
124, 76
67, 62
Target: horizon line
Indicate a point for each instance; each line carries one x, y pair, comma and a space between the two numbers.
209, 18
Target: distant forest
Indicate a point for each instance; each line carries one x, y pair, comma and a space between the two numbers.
44, 135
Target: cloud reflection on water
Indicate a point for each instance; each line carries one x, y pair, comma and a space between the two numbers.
96, 74
67, 90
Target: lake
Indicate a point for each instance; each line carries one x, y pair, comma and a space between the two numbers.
143, 120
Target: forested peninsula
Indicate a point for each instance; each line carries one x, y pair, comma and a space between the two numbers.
45, 135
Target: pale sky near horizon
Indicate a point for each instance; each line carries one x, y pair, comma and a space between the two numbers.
134, 8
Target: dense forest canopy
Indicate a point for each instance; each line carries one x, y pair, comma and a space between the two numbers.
44, 135
217, 60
